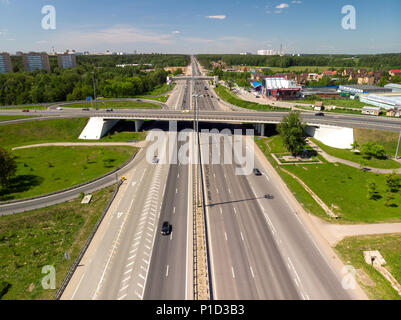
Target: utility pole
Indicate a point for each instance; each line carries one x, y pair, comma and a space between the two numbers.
398, 147
94, 87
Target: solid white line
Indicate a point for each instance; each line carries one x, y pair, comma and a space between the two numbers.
225, 233
232, 270
253, 275
167, 272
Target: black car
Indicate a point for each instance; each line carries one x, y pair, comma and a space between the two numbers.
85, 109
319, 114
166, 228
256, 172
109, 110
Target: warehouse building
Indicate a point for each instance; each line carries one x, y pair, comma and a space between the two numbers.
280, 89
359, 89
394, 87
386, 101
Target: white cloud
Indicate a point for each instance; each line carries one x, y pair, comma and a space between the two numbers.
119, 34
176, 32
282, 6
220, 17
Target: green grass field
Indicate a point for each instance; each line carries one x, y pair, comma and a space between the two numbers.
60, 130
116, 105
351, 252
231, 98
343, 187
38, 107
159, 90
6, 118
387, 139
344, 103
31, 240
357, 157
47, 169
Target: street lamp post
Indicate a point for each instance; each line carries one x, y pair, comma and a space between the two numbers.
398, 147
196, 129
94, 87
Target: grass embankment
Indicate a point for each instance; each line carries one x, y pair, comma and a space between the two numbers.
6, 118
341, 187
231, 98
29, 107
159, 90
387, 139
357, 157
115, 105
377, 287
61, 130
343, 103
31, 240
47, 169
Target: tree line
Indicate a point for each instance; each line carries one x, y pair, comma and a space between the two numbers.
76, 84
392, 60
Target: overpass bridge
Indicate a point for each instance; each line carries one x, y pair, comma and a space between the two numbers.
189, 78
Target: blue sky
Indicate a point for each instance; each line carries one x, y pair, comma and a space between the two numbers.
202, 26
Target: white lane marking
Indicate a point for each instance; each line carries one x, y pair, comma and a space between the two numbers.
132, 257
127, 278
123, 288
176, 190
221, 211
242, 236
217, 189
171, 235
142, 276
225, 234
122, 297
293, 268
178, 175
129, 264
174, 210
232, 270
235, 210
167, 272
253, 275
229, 190
128, 271
267, 178
119, 214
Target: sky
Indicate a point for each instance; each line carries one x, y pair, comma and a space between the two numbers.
201, 26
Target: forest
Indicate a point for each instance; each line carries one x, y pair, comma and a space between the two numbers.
22, 87
379, 61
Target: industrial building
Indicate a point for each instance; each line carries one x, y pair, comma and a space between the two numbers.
359, 89
36, 61
5, 63
66, 60
386, 101
394, 87
280, 89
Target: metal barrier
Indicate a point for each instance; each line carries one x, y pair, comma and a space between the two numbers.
74, 266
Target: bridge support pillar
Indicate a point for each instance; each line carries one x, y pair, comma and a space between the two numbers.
138, 125
262, 129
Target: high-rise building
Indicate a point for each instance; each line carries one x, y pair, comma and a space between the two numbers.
66, 60
5, 63
267, 52
36, 61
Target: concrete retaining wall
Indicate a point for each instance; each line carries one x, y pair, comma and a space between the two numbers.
336, 137
96, 128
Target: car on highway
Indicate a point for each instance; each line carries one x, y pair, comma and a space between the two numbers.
155, 160
185, 111
109, 110
25, 110
59, 108
166, 228
85, 109
319, 114
257, 172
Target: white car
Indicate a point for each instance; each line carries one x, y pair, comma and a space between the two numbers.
59, 108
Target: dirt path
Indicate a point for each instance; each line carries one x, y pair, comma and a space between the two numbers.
140, 144
333, 159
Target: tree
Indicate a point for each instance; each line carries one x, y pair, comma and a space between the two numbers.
292, 132
371, 149
392, 182
8, 167
372, 190
355, 145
